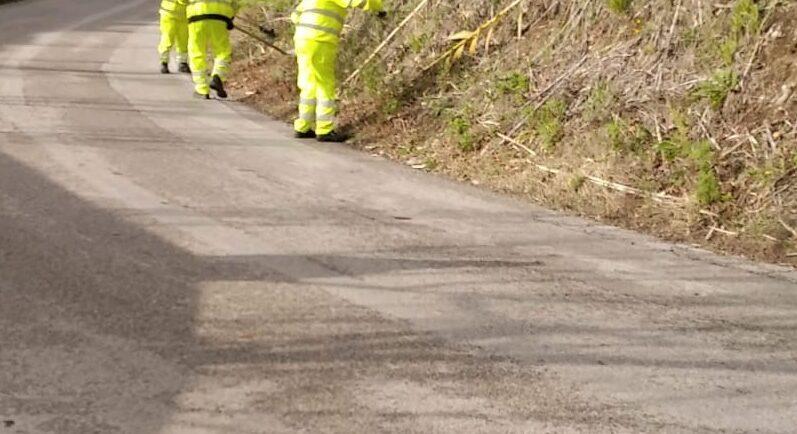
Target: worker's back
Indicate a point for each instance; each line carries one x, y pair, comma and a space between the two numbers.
227, 8
322, 20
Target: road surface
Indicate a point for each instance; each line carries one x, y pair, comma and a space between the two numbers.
169, 265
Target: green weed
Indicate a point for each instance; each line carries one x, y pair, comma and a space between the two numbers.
708, 190
460, 127
727, 50
708, 187
391, 106
701, 153
745, 17
577, 181
678, 144
600, 102
371, 77
619, 6
418, 42
690, 36
549, 122
628, 138
616, 132
716, 89
513, 84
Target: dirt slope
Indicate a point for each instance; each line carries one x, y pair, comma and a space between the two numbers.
673, 117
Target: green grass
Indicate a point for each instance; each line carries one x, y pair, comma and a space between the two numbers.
549, 122
577, 181
418, 42
708, 189
599, 104
460, 127
619, 6
727, 51
372, 76
627, 138
745, 17
391, 106
514, 83
716, 89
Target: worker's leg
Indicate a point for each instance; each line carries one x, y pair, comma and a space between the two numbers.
307, 87
222, 49
324, 62
181, 40
168, 33
197, 52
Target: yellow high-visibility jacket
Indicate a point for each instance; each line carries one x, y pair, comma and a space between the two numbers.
174, 8
227, 8
322, 20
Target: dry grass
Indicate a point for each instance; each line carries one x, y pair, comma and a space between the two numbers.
690, 98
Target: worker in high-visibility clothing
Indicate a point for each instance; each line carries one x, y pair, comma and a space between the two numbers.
209, 25
174, 35
318, 27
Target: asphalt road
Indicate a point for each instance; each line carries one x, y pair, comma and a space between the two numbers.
169, 265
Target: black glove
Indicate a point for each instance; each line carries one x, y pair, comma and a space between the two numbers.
381, 15
268, 31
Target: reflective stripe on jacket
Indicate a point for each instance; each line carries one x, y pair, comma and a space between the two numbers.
322, 20
228, 8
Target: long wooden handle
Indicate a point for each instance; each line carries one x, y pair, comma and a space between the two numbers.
262, 40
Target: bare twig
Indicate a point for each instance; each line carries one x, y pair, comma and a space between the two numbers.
658, 197
672, 26
762, 37
517, 144
786, 226
387, 40
545, 94
714, 229
709, 213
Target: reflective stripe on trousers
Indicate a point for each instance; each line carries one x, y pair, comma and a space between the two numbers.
174, 35
317, 83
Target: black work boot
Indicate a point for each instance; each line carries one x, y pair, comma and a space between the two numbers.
184, 68
217, 85
333, 137
309, 134
164, 68
198, 95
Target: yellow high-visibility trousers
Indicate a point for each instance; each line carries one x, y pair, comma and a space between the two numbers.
174, 35
318, 85
204, 36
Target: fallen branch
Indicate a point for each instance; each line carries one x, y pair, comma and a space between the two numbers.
387, 40
658, 197
517, 144
715, 229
